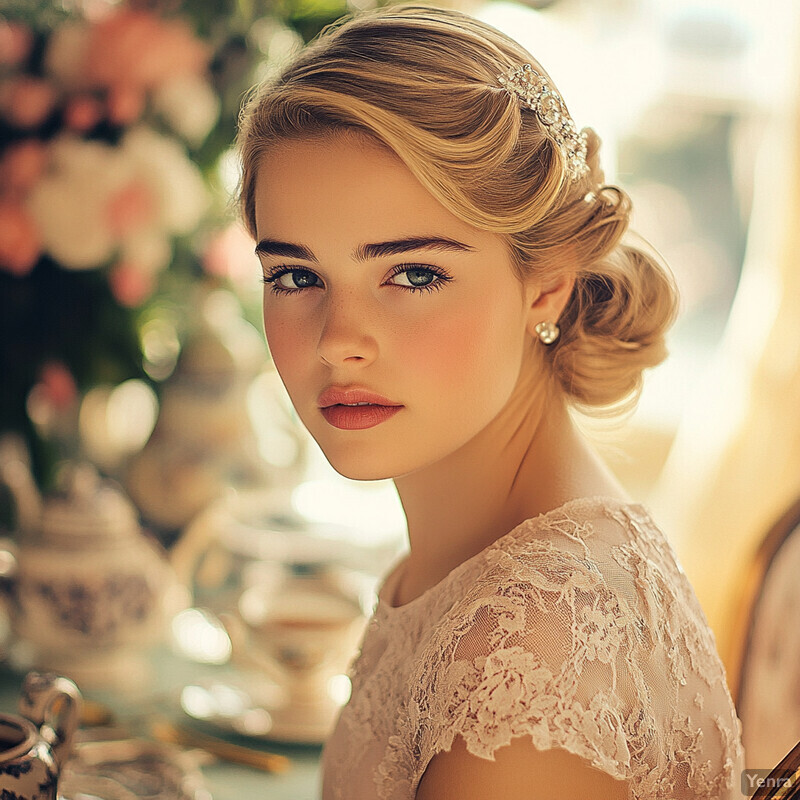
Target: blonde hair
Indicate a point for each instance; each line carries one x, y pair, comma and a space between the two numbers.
423, 81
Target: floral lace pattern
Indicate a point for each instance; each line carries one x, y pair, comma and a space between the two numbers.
578, 629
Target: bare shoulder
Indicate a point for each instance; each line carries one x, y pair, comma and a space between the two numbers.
519, 772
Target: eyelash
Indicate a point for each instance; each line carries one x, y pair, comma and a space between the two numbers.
443, 278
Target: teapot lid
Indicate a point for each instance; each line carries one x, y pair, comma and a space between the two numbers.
86, 504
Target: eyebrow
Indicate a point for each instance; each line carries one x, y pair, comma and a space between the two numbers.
272, 247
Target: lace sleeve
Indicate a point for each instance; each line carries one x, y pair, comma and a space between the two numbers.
542, 645
531, 649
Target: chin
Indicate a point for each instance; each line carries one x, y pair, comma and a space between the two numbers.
361, 469
363, 466
360, 474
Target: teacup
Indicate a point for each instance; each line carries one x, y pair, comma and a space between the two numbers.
308, 633
34, 746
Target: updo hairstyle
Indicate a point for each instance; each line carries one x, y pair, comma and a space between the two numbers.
423, 81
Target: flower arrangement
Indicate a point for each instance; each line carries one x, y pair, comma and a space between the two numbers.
88, 179
113, 119
98, 119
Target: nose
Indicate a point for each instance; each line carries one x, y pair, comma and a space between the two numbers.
348, 332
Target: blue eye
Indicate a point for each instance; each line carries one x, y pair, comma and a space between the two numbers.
302, 278
418, 278
421, 278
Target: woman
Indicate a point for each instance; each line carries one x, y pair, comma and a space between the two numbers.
444, 277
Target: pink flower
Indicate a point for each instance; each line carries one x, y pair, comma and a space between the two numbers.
83, 112
130, 285
27, 102
15, 43
21, 166
131, 208
19, 240
231, 254
135, 48
57, 384
125, 104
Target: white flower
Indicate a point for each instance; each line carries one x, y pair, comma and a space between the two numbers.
150, 250
178, 186
189, 105
69, 203
98, 202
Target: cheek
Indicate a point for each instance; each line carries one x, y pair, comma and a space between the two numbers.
474, 353
289, 347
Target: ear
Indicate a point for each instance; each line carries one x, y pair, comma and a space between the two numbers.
547, 300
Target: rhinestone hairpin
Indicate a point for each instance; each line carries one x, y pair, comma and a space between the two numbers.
535, 92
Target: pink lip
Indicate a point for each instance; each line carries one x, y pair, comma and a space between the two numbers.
357, 418
333, 400
337, 395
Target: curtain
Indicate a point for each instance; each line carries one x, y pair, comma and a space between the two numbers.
735, 464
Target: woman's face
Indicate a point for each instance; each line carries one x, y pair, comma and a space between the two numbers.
373, 285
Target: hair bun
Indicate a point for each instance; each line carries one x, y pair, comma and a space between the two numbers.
614, 328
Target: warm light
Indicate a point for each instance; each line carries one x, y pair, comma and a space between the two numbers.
131, 415
254, 722
372, 513
115, 422
221, 701
200, 636
269, 409
339, 688
197, 702
160, 346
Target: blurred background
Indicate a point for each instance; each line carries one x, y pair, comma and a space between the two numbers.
137, 398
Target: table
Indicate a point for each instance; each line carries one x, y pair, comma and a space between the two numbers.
225, 781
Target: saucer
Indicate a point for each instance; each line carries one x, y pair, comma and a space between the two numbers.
260, 709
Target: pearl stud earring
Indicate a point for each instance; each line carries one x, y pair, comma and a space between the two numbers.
548, 332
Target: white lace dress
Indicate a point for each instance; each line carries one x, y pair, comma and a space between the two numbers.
577, 628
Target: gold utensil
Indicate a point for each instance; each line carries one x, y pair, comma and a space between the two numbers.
177, 734
94, 714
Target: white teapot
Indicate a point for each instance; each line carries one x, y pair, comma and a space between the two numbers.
86, 591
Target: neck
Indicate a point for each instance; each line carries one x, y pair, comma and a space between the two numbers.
528, 460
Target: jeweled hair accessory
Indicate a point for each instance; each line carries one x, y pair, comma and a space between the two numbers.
535, 92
